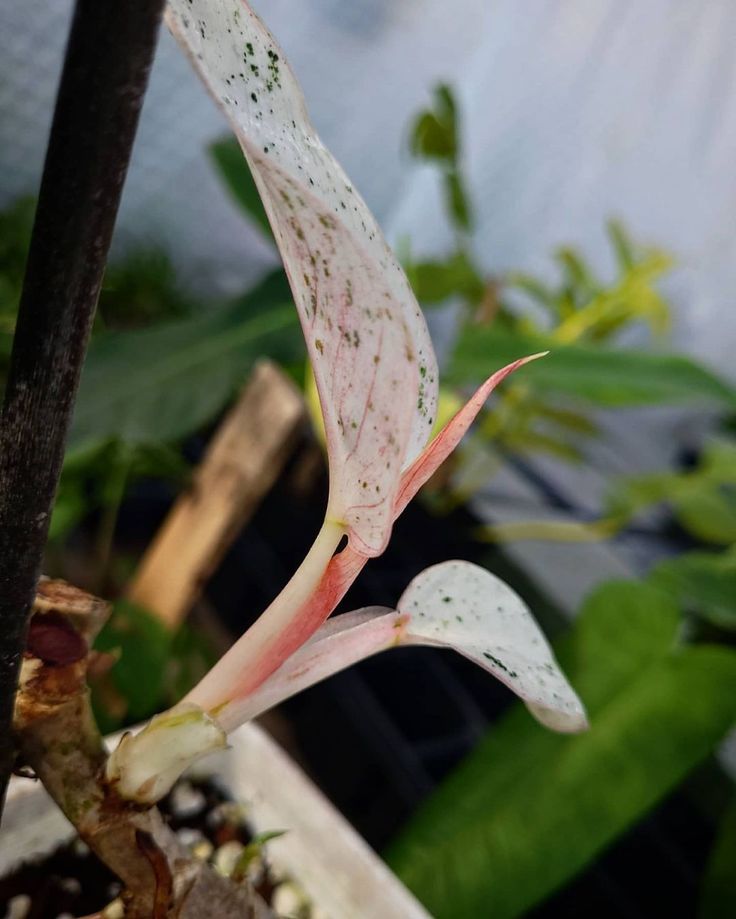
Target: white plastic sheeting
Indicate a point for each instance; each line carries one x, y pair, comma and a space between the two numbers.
575, 110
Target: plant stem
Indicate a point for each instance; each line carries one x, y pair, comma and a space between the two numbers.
108, 59
276, 634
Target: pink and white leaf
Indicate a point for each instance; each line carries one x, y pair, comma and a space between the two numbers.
453, 605
368, 342
437, 451
459, 605
340, 643
270, 641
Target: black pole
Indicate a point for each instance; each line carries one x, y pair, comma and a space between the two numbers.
108, 59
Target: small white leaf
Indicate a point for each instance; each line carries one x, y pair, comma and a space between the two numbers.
459, 605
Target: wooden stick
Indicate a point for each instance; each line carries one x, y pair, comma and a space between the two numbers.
243, 461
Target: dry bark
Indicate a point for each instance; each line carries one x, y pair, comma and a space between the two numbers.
58, 739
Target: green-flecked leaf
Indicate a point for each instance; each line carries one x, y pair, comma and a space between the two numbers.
235, 173
160, 384
590, 373
718, 895
435, 282
462, 606
703, 583
528, 810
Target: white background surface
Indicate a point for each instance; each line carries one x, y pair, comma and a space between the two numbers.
575, 110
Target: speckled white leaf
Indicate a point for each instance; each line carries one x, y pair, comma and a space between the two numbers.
459, 605
452, 605
367, 339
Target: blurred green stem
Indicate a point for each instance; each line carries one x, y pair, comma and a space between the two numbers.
109, 517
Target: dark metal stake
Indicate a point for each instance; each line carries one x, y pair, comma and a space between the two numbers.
108, 59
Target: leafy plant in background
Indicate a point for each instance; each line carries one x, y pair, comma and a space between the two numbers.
702, 504
579, 320
502, 834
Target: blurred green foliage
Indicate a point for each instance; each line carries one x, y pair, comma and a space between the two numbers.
435, 136
702, 499
546, 407
718, 898
164, 382
653, 660
161, 366
153, 666
529, 809
233, 170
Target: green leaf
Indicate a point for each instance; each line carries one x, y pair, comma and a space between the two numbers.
140, 290
252, 851
602, 376
16, 222
703, 500
192, 656
528, 810
435, 136
541, 293
142, 644
578, 277
718, 898
458, 203
708, 512
703, 583
434, 133
434, 282
162, 383
623, 247
236, 175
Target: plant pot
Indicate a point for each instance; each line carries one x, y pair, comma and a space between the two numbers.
339, 872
